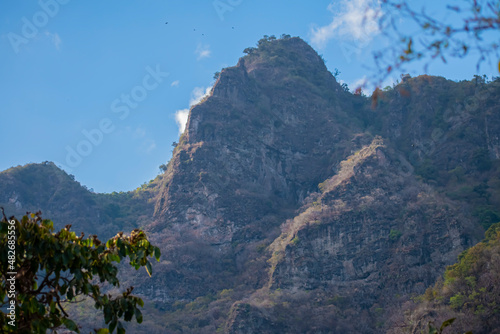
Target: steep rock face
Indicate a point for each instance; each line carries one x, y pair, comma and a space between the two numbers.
374, 233
378, 225
253, 140
252, 151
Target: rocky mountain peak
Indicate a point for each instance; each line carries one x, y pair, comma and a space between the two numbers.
266, 134
249, 89
277, 58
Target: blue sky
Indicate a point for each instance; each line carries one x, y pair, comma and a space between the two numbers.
99, 87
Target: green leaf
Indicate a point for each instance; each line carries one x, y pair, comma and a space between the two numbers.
65, 259
48, 224
149, 269
140, 254
120, 330
122, 251
107, 314
70, 295
157, 254
123, 303
138, 316
114, 258
103, 331
70, 324
112, 325
32, 306
41, 308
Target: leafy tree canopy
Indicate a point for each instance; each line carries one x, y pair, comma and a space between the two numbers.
469, 293
55, 268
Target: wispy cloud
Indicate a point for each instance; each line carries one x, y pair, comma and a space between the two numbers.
197, 95
360, 83
352, 19
203, 51
175, 83
181, 118
321, 35
369, 87
55, 39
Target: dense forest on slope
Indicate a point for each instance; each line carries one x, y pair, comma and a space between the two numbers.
291, 205
469, 291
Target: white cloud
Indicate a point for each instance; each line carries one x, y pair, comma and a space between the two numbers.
198, 94
203, 51
366, 86
181, 116
55, 39
175, 83
359, 83
352, 19
320, 36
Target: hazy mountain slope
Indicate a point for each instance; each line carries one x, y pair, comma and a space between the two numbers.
45, 187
